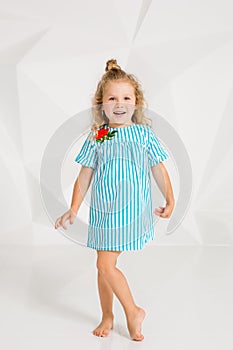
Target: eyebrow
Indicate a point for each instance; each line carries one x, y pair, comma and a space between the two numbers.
124, 94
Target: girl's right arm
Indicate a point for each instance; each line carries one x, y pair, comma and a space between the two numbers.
81, 186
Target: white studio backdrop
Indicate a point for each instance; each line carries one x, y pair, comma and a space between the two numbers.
52, 56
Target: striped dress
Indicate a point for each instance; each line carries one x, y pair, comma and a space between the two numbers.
121, 213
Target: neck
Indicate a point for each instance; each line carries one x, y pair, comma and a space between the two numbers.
112, 125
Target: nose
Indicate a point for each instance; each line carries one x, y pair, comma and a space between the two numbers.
119, 103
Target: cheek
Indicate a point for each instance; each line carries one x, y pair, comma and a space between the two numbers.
131, 107
108, 106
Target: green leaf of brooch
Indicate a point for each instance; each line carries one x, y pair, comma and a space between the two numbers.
103, 134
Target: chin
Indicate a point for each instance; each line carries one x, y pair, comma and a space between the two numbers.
120, 120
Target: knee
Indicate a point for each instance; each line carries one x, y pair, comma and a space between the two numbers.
106, 261
104, 267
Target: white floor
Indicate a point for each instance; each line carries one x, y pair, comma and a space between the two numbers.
49, 298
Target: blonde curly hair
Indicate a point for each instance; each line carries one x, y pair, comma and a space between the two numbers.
114, 72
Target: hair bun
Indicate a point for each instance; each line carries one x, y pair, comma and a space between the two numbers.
112, 64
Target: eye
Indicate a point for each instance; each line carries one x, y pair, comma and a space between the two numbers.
111, 98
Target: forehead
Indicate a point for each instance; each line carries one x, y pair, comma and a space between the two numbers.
118, 87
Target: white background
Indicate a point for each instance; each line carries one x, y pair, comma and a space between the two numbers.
52, 55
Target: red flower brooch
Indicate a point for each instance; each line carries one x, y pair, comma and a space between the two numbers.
103, 134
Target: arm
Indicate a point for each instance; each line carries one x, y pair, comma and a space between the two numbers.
162, 179
81, 186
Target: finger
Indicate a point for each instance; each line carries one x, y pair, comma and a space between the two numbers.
63, 223
64, 226
157, 213
57, 223
165, 214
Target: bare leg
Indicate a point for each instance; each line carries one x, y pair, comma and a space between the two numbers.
106, 266
106, 295
106, 301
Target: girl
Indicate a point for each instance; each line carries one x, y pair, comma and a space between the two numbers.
120, 150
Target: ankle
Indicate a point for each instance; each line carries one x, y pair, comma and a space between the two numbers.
132, 311
107, 315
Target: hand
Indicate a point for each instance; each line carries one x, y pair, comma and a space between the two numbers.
164, 212
69, 215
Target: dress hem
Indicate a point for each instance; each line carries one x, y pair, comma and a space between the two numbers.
141, 245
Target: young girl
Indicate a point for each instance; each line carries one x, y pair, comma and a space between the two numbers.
120, 150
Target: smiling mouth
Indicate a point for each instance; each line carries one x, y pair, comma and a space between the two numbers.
119, 113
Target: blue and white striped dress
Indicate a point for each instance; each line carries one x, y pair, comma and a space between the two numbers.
121, 213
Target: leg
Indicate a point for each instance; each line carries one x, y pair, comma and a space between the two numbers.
106, 295
106, 266
106, 301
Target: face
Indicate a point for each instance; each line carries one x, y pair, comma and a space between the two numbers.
119, 102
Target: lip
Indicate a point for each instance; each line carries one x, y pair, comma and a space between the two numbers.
116, 112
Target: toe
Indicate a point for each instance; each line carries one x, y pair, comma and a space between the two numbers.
140, 337
96, 332
105, 333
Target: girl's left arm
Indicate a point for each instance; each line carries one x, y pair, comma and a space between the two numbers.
162, 179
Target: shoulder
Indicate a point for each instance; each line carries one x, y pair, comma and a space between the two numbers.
145, 130
144, 127
90, 138
149, 131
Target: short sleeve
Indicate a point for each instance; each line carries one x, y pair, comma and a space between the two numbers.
88, 155
156, 152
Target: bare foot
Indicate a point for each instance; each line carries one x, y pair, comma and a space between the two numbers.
134, 323
104, 327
